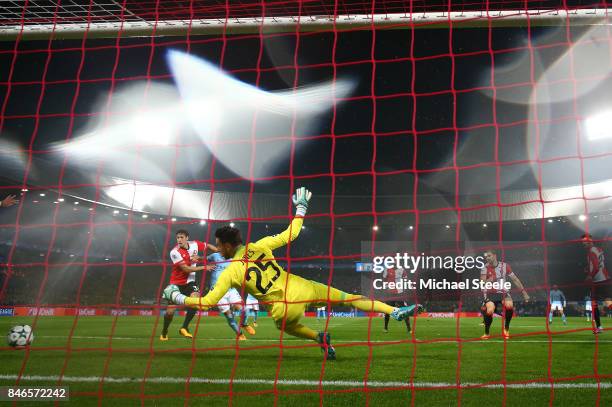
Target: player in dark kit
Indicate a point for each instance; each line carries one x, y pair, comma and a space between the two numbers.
395, 275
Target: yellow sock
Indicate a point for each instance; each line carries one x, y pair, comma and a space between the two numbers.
302, 331
194, 302
364, 304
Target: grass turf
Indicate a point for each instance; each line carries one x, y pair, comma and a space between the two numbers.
137, 366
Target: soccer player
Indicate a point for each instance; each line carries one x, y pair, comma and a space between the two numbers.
498, 271
321, 313
597, 274
231, 301
184, 277
252, 309
255, 268
557, 303
588, 307
395, 276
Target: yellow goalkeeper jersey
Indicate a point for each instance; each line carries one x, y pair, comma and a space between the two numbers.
254, 267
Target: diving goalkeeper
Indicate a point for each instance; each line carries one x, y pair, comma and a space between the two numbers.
254, 267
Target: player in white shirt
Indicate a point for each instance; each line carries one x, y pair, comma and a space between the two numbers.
557, 303
597, 275
231, 303
500, 272
321, 313
251, 309
588, 307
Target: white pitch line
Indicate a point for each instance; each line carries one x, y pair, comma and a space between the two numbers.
120, 338
324, 383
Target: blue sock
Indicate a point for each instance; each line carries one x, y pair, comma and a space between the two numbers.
231, 321
254, 316
563, 317
242, 317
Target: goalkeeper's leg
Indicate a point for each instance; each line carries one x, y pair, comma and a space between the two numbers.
287, 317
173, 295
323, 292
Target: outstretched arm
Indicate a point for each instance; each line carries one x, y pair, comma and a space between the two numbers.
211, 299
289, 234
300, 200
191, 269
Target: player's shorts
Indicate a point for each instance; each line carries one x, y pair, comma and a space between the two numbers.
498, 300
231, 298
189, 288
252, 305
588, 306
602, 291
301, 294
556, 305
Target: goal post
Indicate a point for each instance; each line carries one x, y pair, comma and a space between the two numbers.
25, 29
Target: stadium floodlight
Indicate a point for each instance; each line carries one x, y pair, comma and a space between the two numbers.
550, 221
232, 224
375, 228
60, 200
202, 222
24, 190
42, 194
598, 126
145, 216
582, 218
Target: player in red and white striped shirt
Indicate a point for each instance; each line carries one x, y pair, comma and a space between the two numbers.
184, 276
597, 274
500, 272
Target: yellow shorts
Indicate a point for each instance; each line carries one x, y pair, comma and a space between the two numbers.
300, 294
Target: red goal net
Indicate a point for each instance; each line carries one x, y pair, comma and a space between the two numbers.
445, 129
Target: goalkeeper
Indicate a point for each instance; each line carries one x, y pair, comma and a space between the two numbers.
254, 267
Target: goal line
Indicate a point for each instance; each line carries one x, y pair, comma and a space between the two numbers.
298, 382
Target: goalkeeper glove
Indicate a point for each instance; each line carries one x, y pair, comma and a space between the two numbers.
300, 200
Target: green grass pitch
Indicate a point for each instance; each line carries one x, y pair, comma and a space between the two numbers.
373, 367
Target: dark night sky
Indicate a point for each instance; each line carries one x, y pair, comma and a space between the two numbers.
404, 65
